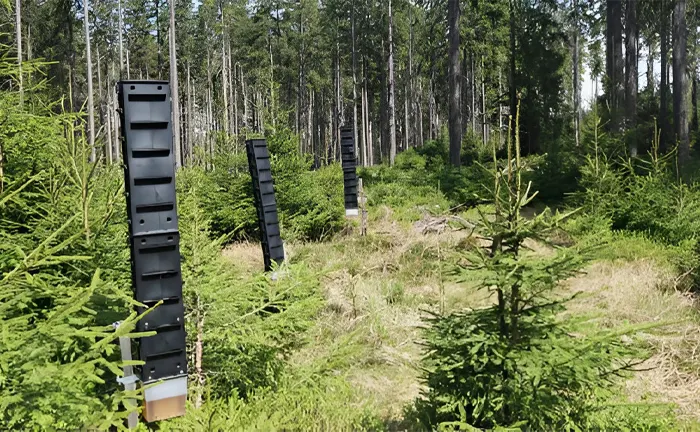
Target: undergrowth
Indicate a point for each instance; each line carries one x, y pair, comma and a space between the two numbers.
520, 363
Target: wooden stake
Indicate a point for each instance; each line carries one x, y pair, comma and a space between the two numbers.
363, 208
129, 379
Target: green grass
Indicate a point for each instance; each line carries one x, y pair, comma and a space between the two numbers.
356, 366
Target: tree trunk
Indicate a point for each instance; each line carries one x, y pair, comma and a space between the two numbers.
455, 112
484, 125
103, 102
419, 104
189, 141
631, 79
577, 73
472, 92
231, 90
680, 81
383, 107
432, 133
90, 102
663, 90
209, 123
354, 86
174, 88
224, 81
392, 95
159, 65
406, 122
500, 109
108, 124
369, 99
511, 76
337, 106
244, 91
29, 42
114, 119
272, 88
128, 66
614, 61
411, 102
236, 127
18, 32
650, 68
121, 42
694, 98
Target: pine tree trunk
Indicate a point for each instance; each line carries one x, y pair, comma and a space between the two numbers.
300, 121
116, 145
121, 42
103, 111
272, 89
18, 36
432, 132
128, 66
631, 80
90, 102
189, 143
338, 101
680, 81
366, 145
231, 90
455, 114
500, 110
421, 137
196, 124
472, 92
371, 142
245, 99
406, 122
484, 125
663, 90
392, 95
411, 105
209, 148
383, 107
174, 90
29, 42
614, 62
224, 83
511, 76
108, 123
576, 78
235, 104
159, 44
354, 87
650, 68
310, 122
694, 99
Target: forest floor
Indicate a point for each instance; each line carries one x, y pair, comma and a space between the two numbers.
379, 288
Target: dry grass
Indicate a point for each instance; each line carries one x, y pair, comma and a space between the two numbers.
640, 292
246, 255
376, 288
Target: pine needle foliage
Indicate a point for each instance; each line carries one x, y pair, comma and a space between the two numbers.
58, 357
58, 352
243, 325
520, 363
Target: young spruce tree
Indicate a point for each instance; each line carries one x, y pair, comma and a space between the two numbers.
519, 363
